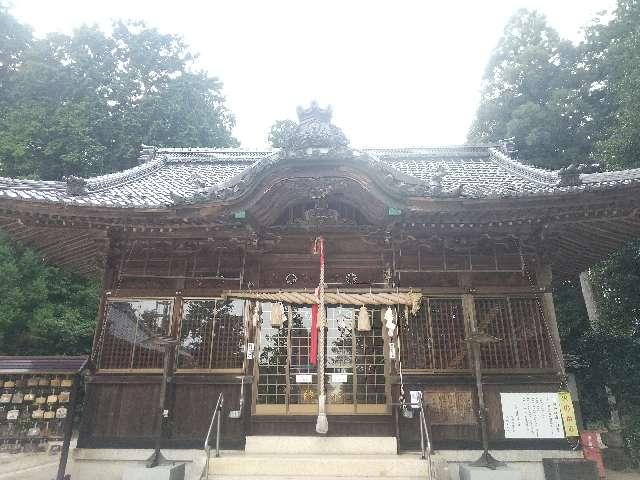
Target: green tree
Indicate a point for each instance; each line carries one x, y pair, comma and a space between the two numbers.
618, 280
280, 132
531, 94
611, 54
43, 310
83, 104
15, 39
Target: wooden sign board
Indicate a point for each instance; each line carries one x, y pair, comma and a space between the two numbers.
568, 415
450, 407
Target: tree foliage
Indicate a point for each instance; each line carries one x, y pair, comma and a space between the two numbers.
530, 93
280, 132
83, 104
611, 54
43, 309
15, 39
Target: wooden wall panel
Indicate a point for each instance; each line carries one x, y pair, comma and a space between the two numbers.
120, 411
123, 410
194, 407
463, 431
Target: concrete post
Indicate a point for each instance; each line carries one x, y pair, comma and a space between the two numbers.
589, 299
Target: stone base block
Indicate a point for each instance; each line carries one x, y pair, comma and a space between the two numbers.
161, 472
277, 445
483, 473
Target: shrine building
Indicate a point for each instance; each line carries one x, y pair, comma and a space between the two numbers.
334, 296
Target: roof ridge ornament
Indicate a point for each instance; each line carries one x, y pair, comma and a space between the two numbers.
76, 186
147, 153
314, 112
315, 135
570, 176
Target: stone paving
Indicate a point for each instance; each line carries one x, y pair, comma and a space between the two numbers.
611, 475
43, 466
33, 466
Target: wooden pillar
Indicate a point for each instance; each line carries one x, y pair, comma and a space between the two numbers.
474, 355
469, 312
465, 281
544, 277
170, 385
108, 279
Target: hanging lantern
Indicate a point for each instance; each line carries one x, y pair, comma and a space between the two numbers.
364, 324
389, 321
277, 315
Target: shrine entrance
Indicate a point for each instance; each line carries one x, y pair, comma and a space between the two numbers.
355, 364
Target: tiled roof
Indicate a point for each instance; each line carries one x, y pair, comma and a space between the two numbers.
152, 184
45, 364
168, 175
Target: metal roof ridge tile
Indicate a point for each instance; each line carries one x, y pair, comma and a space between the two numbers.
102, 182
611, 176
433, 147
451, 149
528, 172
263, 151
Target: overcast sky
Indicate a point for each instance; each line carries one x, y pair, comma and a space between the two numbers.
397, 73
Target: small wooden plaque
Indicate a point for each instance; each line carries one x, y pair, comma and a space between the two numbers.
448, 407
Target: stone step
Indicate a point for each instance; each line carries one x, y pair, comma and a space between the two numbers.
280, 477
281, 466
276, 445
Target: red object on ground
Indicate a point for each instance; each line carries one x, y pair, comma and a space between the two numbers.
313, 353
591, 450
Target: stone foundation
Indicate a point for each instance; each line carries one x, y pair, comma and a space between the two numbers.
528, 462
110, 464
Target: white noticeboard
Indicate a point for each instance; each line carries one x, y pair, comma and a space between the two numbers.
339, 378
531, 415
416, 398
304, 378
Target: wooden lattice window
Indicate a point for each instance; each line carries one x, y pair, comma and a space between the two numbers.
524, 341
273, 356
131, 325
492, 317
433, 339
531, 332
369, 362
211, 334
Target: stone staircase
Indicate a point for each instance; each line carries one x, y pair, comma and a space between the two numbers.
319, 458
